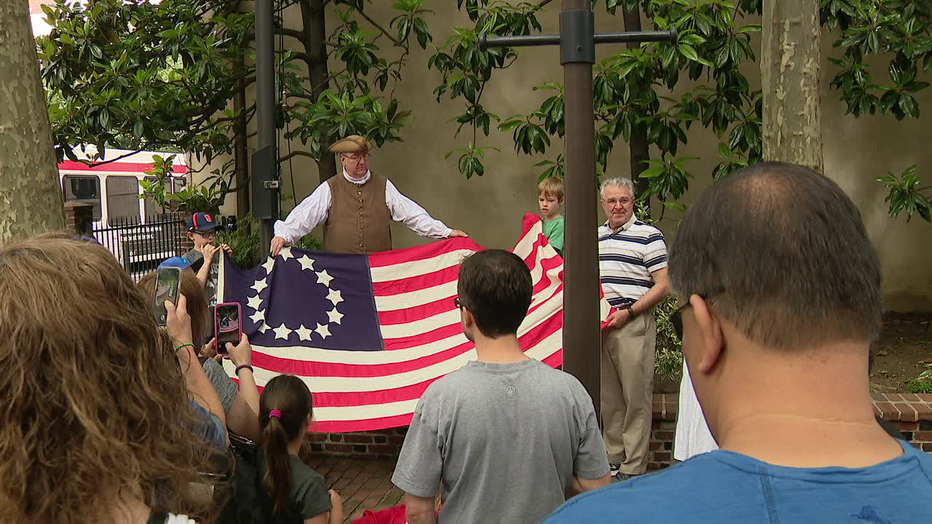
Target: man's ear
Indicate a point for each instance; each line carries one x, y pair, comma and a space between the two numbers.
709, 329
469, 321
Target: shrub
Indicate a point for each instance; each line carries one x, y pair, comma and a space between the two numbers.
921, 384
669, 356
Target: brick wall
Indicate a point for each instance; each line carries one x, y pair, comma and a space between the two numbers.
912, 414
183, 243
381, 444
79, 218
662, 431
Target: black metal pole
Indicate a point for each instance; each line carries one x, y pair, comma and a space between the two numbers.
265, 116
581, 334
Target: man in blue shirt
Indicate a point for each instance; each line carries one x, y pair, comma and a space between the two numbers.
779, 292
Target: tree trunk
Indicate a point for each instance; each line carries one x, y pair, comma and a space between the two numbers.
790, 58
640, 151
315, 44
30, 194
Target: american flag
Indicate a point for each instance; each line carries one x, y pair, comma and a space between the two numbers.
369, 333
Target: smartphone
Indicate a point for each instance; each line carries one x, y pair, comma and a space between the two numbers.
166, 288
228, 325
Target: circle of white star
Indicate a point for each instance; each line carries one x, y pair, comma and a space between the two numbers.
282, 331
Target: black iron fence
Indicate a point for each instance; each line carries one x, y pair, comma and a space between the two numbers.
141, 247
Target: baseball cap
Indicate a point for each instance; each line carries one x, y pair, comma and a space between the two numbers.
201, 222
179, 262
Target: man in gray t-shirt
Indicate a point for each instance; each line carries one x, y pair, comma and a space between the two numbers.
504, 438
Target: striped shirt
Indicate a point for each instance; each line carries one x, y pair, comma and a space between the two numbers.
627, 257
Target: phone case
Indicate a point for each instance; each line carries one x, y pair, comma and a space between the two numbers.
167, 283
229, 325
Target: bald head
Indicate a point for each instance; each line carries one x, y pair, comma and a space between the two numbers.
780, 251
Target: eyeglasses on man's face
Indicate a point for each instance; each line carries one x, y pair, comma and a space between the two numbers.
206, 234
612, 202
357, 157
677, 317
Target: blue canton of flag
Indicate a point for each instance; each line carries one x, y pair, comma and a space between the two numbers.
307, 297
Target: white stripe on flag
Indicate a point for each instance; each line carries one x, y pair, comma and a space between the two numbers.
419, 267
388, 409
540, 351
432, 294
415, 298
336, 356
424, 325
526, 244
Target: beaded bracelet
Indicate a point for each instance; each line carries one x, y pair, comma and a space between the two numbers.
244, 366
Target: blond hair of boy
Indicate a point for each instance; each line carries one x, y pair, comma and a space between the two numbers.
550, 199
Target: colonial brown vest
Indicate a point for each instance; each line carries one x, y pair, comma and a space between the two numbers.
359, 220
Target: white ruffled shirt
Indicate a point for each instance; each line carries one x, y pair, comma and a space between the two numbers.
178, 519
313, 211
692, 432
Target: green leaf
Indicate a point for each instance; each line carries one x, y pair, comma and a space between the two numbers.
688, 51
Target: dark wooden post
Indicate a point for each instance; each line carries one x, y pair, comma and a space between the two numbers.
577, 39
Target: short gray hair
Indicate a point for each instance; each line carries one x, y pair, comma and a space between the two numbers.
781, 252
616, 181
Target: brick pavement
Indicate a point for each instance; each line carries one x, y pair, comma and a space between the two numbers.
363, 483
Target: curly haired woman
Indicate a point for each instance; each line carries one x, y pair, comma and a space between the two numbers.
95, 422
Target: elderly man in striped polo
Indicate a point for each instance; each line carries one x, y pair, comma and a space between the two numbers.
633, 270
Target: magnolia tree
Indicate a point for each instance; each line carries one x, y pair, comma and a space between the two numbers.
174, 75
633, 89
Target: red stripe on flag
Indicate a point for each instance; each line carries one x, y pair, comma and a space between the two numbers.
411, 314
416, 253
422, 338
305, 368
343, 426
418, 283
383, 396
555, 360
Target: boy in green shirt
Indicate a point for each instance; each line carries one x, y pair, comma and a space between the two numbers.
550, 198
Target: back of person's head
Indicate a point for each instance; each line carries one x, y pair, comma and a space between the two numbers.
551, 187
196, 298
495, 287
93, 408
285, 410
780, 252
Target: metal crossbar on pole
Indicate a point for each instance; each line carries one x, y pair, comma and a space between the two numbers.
623, 37
577, 39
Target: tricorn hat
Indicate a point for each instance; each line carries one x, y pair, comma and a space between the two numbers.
352, 144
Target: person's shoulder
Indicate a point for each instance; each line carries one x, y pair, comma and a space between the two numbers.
445, 387
925, 459
647, 497
559, 378
645, 228
192, 255
452, 382
303, 474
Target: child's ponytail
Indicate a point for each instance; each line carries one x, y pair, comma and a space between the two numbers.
284, 408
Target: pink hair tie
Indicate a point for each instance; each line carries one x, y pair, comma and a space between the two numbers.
275, 414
